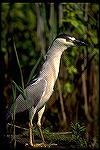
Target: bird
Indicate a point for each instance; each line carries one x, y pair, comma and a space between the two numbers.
39, 91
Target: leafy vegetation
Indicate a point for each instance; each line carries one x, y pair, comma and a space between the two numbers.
79, 135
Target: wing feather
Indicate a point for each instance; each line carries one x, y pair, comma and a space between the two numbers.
33, 94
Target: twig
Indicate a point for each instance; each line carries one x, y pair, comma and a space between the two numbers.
61, 102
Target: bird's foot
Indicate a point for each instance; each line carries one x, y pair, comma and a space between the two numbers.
40, 144
37, 145
45, 145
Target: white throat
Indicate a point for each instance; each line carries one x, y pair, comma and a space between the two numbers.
55, 63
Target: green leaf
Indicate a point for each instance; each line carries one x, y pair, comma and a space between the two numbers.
34, 68
68, 87
72, 70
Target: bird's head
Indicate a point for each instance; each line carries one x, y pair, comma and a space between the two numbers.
63, 40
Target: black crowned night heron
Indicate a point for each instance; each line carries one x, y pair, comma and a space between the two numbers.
38, 92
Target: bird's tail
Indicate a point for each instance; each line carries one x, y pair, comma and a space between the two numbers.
8, 115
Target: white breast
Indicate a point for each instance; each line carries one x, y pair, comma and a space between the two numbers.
50, 73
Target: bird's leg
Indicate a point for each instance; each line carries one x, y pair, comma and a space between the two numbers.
31, 136
30, 133
40, 113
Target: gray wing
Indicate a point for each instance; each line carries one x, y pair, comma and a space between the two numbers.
33, 94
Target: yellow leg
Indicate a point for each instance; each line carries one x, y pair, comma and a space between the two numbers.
40, 113
31, 134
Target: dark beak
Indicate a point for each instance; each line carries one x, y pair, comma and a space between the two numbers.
79, 43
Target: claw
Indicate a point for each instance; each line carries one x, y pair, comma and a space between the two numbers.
41, 145
37, 145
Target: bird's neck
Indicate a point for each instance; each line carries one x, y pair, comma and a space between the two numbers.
50, 68
54, 62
